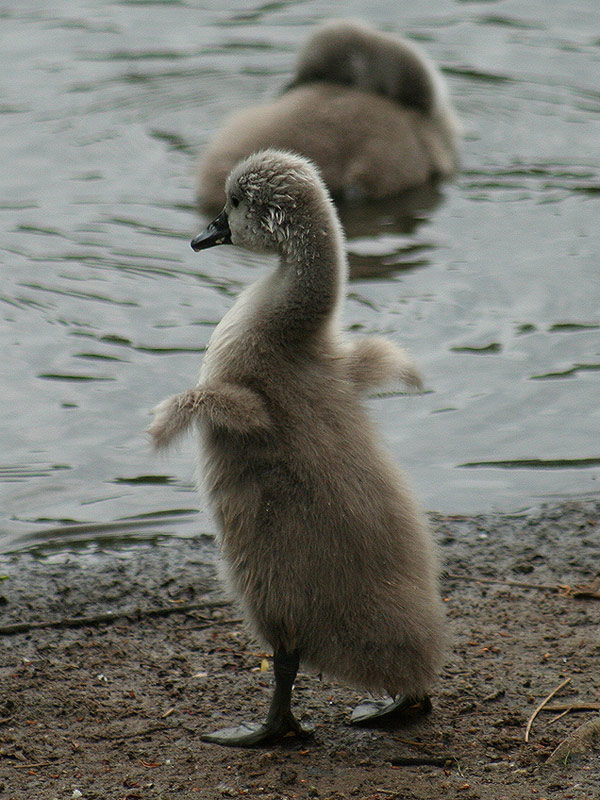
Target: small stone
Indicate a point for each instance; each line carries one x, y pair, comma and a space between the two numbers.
288, 776
523, 568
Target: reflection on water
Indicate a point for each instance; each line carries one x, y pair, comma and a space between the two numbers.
492, 282
383, 236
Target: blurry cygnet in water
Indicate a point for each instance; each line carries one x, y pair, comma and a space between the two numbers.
368, 108
323, 544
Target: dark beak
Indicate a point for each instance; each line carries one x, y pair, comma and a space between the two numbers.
217, 233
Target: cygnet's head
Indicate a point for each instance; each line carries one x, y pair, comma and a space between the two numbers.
276, 201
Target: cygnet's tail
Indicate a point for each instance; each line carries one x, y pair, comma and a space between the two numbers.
351, 53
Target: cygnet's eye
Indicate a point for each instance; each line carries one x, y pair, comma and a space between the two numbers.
235, 201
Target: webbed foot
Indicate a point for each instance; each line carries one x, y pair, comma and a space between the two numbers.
249, 734
280, 723
374, 712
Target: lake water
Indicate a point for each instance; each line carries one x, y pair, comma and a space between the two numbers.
493, 283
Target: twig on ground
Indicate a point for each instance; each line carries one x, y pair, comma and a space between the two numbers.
422, 761
542, 704
587, 590
112, 616
591, 590
557, 717
495, 695
409, 741
546, 587
579, 741
573, 707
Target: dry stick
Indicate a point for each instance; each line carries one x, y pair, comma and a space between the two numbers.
541, 705
110, 617
422, 761
580, 740
588, 590
520, 584
410, 741
558, 716
574, 707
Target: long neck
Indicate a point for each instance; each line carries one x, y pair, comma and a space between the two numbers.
310, 281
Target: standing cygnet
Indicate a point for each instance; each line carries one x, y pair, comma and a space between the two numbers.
323, 543
368, 108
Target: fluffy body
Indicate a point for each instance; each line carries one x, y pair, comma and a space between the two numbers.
367, 107
323, 542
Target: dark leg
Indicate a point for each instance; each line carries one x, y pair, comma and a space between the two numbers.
280, 721
398, 709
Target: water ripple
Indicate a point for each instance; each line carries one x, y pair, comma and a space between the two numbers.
24, 472
105, 114
79, 295
536, 463
566, 373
